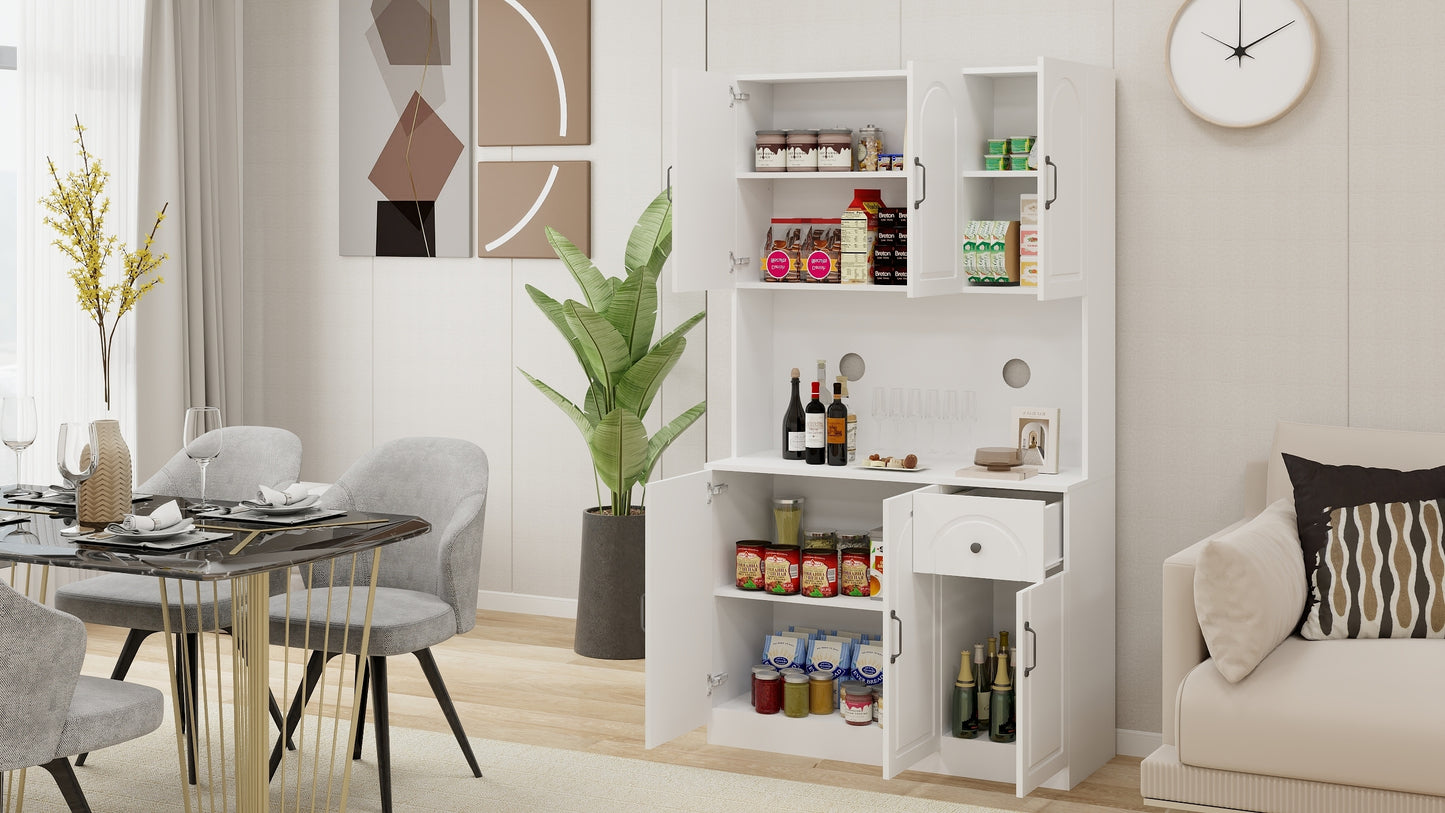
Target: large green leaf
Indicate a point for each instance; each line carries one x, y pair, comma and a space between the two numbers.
651, 239
552, 309
568, 408
667, 434
640, 384
619, 450
685, 326
604, 352
594, 406
634, 311
593, 284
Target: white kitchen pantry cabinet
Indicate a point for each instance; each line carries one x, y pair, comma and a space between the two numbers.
964, 556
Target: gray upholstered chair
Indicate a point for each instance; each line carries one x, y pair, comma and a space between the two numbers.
48, 710
250, 456
426, 586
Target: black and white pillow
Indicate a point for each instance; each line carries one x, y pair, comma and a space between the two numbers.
1381, 573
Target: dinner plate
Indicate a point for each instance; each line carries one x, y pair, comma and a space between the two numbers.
891, 471
291, 508
162, 533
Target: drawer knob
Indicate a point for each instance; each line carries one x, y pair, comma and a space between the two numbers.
975, 547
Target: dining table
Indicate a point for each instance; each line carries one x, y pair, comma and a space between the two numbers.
234, 549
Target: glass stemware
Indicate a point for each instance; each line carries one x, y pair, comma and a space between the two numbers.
76, 456
17, 430
202, 442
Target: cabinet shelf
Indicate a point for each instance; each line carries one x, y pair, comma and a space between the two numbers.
820, 287
836, 603
891, 175
736, 724
1000, 173
940, 472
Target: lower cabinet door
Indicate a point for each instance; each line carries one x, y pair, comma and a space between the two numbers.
910, 634
1039, 680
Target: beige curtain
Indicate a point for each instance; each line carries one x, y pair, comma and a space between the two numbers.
189, 331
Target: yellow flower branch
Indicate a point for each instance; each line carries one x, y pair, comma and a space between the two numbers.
78, 206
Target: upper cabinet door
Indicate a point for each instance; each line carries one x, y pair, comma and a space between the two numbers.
704, 180
1076, 134
678, 606
1039, 682
910, 690
935, 183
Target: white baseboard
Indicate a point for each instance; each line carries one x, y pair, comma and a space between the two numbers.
528, 604
1136, 743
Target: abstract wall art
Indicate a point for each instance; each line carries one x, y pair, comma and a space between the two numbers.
405, 108
517, 199
534, 82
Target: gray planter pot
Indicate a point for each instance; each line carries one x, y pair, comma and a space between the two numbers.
609, 587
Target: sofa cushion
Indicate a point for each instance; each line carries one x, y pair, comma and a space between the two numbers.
1358, 712
1249, 589
1381, 573
1320, 488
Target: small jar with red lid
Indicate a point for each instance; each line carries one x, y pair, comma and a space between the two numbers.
780, 570
769, 692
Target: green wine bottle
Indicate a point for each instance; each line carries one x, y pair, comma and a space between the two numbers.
965, 717
1001, 699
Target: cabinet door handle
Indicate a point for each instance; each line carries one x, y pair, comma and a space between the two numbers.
1033, 658
669, 183
894, 657
922, 182
1050, 165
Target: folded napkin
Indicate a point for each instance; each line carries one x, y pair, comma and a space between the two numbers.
158, 520
294, 493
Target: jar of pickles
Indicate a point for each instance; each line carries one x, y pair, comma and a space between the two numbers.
795, 694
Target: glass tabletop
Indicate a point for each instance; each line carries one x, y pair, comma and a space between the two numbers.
245, 549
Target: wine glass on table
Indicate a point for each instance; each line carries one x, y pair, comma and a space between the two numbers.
202, 442
17, 430
77, 458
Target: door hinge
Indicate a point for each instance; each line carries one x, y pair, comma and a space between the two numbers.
714, 489
715, 680
735, 262
737, 97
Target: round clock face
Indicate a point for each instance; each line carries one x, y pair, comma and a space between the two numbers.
1241, 63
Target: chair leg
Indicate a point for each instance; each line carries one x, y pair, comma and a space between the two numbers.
69, 786
439, 688
314, 665
380, 713
128, 652
278, 719
363, 675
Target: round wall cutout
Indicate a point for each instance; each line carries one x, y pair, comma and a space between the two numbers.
852, 366
1016, 373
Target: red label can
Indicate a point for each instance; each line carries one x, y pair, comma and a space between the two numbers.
780, 570
853, 573
820, 573
750, 564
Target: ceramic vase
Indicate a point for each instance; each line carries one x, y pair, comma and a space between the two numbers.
609, 590
105, 496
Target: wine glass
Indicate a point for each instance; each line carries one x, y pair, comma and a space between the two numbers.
948, 424
17, 430
931, 443
914, 416
202, 442
77, 457
895, 416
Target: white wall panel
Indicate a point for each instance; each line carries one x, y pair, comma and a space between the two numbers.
985, 33
764, 36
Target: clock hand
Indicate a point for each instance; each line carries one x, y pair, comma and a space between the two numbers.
1239, 35
1270, 34
1220, 41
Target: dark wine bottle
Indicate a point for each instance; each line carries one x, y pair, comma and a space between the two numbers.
1001, 699
985, 679
837, 428
794, 428
965, 717
815, 431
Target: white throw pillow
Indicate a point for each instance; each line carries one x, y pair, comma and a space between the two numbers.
1249, 589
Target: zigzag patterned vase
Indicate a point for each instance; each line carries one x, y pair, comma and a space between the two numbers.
105, 497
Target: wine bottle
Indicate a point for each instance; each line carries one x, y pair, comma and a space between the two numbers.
852, 422
1001, 697
1003, 647
965, 717
981, 679
837, 429
815, 431
794, 430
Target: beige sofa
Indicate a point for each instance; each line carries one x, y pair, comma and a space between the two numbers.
1348, 726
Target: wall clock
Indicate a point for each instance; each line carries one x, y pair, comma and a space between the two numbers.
1242, 63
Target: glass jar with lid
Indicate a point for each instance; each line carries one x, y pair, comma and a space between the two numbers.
835, 149
870, 146
787, 520
802, 150
795, 694
770, 153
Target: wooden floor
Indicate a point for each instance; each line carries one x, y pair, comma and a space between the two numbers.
516, 678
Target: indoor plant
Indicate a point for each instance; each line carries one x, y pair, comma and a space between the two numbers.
611, 335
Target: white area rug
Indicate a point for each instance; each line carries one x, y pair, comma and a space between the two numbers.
430, 774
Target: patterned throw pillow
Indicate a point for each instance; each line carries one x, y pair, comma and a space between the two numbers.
1381, 573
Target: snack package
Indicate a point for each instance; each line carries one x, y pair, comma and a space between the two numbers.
782, 250
868, 664
783, 652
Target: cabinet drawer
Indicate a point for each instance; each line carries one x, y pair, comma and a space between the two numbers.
1011, 539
